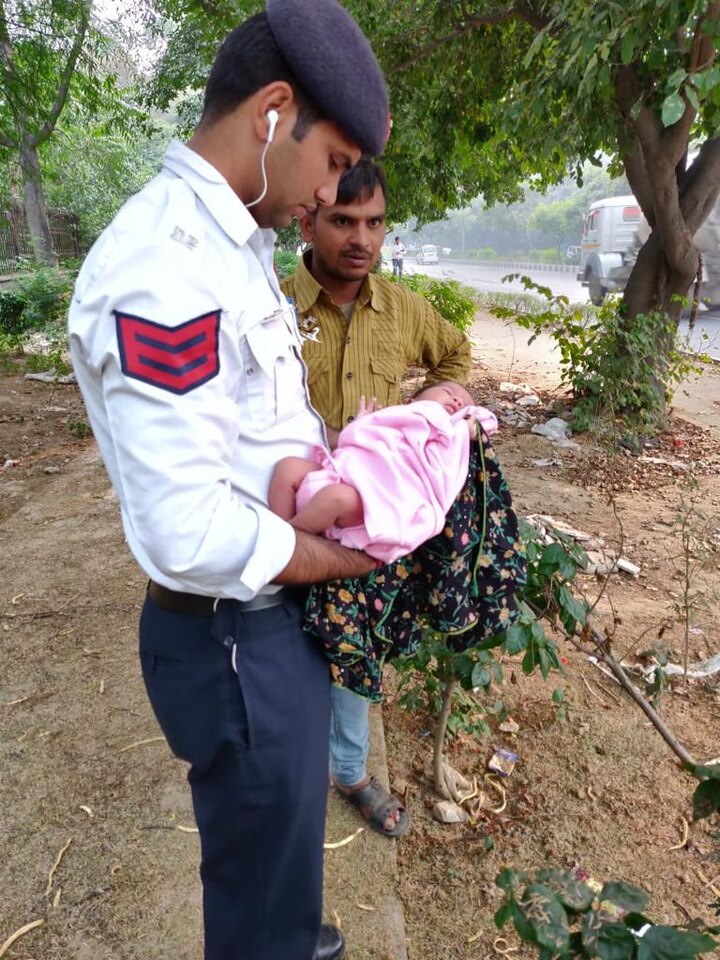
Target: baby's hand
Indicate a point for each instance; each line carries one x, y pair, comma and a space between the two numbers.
367, 407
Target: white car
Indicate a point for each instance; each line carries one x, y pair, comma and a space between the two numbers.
428, 253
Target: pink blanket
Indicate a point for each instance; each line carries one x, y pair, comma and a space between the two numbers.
408, 462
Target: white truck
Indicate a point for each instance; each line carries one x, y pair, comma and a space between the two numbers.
614, 229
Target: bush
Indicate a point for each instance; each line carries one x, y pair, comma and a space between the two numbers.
34, 300
546, 255
285, 263
12, 306
451, 300
484, 253
610, 361
567, 915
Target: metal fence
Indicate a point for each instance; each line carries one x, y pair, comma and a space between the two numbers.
15, 243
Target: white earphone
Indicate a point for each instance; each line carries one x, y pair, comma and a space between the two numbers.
272, 118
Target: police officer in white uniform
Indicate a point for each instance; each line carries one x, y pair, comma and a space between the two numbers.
188, 357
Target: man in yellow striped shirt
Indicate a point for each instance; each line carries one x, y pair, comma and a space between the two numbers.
361, 334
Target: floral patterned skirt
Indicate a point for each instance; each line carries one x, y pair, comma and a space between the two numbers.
463, 583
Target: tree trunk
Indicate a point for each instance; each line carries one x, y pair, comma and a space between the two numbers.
35, 209
652, 286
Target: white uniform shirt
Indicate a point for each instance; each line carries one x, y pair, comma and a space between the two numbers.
188, 358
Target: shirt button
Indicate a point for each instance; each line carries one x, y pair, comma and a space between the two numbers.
350, 419
348, 340
349, 375
228, 642
249, 371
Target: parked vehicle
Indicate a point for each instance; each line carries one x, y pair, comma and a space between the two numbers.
614, 230
428, 253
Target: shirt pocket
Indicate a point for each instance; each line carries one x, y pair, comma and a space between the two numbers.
386, 380
273, 373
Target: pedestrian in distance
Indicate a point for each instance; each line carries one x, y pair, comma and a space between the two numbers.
361, 333
188, 358
398, 256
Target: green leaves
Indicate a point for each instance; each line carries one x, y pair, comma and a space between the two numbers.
706, 799
624, 896
628, 44
572, 892
673, 107
451, 300
609, 941
560, 915
669, 943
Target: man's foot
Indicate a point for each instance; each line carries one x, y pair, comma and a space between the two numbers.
383, 812
330, 945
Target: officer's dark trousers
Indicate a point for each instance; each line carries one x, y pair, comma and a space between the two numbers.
257, 745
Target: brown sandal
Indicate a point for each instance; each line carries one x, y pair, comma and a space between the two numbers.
376, 804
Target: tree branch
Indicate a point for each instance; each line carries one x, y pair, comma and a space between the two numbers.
630, 688
439, 745
634, 165
521, 11
702, 51
661, 150
701, 187
6, 57
47, 128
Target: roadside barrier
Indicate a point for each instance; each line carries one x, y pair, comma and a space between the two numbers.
517, 265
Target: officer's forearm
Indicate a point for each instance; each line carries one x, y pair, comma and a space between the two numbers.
316, 559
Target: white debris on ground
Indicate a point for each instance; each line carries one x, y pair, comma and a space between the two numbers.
557, 431
51, 376
516, 396
446, 811
602, 560
517, 389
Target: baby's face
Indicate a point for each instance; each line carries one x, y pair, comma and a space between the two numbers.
451, 396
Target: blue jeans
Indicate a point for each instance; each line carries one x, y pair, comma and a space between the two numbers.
349, 736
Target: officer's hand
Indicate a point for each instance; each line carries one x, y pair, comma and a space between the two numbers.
316, 559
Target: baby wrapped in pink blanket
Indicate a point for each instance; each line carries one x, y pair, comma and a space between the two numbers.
388, 485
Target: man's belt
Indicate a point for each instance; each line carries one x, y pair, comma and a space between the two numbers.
198, 606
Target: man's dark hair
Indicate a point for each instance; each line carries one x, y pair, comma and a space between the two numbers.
249, 59
360, 182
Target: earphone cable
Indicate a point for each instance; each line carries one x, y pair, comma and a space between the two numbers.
264, 176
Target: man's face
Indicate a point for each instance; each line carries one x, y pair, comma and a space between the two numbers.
346, 238
303, 174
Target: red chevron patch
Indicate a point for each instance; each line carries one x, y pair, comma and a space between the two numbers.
177, 359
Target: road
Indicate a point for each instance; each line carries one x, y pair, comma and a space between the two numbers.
705, 337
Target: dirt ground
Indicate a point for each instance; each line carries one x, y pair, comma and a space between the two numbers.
95, 817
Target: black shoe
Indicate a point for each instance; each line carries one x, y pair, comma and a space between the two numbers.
330, 945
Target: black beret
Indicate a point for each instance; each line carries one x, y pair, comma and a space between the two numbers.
333, 61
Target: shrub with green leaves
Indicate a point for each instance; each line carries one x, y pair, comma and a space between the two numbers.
12, 306
285, 263
35, 300
547, 596
566, 915
483, 253
452, 301
610, 361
